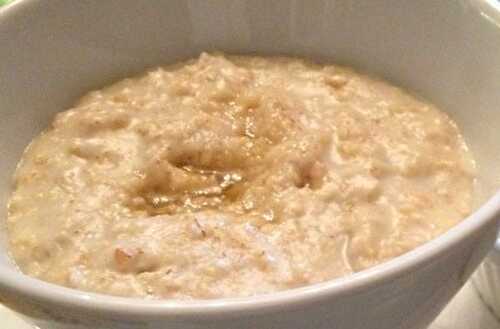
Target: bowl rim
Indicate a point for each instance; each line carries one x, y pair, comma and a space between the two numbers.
51, 294
42, 292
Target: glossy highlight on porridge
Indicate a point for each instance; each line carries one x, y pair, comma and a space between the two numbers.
233, 176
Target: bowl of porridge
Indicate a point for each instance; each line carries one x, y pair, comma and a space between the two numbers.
245, 164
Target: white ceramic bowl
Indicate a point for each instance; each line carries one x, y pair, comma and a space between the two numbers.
447, 51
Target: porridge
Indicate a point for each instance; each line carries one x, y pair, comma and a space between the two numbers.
234, 176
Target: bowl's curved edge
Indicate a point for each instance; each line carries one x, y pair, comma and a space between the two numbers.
34, 289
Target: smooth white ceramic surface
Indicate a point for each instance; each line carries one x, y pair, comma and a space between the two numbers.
447, 51
465, 311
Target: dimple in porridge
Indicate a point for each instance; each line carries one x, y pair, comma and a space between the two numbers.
235, 176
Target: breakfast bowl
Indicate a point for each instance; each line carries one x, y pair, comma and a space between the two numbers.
52, 52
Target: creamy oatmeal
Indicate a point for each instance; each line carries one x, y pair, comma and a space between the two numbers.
235, 176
